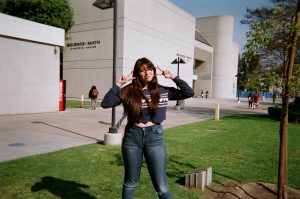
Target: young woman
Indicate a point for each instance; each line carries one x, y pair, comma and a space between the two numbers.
93, 94
145, 104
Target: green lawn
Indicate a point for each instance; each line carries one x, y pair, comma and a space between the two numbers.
239, 148
77, 104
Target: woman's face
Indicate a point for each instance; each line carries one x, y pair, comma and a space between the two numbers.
146, 73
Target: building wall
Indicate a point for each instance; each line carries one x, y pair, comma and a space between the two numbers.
218, 30
88, 51
140, 33
29, 70
29, 76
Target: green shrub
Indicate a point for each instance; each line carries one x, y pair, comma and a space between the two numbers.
294, 111
274, 113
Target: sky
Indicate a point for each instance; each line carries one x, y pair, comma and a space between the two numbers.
235, 8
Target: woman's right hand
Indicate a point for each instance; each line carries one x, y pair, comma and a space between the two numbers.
124, 79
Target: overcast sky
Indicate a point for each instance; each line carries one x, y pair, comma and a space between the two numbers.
235, 8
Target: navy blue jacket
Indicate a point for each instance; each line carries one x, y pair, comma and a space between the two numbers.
113, 98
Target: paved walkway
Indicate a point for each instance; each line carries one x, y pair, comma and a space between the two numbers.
30, 134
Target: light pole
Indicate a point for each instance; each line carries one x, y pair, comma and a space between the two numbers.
112, 137
238, 86
178, 61
238, 75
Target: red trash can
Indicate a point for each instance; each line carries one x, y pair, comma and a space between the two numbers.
62, 95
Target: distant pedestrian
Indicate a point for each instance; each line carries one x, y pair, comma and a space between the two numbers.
256, 97
201, 94
206, 94
93, 94
250, 100
121, 120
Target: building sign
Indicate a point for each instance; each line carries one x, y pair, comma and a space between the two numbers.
186, 58
82, 45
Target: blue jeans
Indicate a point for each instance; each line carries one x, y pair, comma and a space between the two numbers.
147, 141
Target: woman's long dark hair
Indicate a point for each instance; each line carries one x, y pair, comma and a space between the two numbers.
132, 94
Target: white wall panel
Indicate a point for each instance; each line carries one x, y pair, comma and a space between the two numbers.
29, 76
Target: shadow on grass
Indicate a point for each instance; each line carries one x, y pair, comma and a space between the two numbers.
176, 164
226, 177
174, 167
62, 188
118, 160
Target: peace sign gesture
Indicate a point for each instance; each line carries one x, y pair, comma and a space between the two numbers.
124, 79
166, 73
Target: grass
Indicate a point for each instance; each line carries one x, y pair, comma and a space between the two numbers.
239, 148
77, 104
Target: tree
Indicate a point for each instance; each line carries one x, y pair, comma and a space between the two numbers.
294, 39
56, 13
268, 41
251, 70
276, 41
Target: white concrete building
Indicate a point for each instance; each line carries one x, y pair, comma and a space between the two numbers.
158, 30
218, 30
29, 66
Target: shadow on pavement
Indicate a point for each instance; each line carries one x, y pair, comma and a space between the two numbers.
37, 122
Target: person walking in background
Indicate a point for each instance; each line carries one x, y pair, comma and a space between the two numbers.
255, 100
145, 104
206, 94
250, 100
93, 94
121, 120
201, 94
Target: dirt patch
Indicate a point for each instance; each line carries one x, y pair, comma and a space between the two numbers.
247, 190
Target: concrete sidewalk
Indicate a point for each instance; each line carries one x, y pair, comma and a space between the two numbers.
30, 134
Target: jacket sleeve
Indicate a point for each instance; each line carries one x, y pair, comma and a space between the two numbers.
112, 98
184, 91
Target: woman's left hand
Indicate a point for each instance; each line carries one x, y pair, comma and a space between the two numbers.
166, 73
